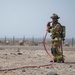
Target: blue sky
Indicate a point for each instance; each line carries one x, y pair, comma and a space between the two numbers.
29, 17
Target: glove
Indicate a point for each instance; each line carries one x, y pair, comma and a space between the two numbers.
48, 27
48, 24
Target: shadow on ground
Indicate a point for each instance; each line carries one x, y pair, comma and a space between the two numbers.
69, 62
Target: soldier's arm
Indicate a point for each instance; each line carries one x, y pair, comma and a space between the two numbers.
48, 27
57, 28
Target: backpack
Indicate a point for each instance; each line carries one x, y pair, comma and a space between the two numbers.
63, 32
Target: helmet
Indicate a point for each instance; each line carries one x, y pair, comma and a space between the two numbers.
54, 16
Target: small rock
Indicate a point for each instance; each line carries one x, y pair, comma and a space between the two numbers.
41, 72
70, 65
7, 42
5, 54
18, 50
52, 73
47, 67
23, 70
21, 42
29, 57
1, 48
19, 53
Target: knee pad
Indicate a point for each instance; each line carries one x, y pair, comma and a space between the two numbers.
54, 51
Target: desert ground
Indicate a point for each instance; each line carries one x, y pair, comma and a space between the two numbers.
15, 57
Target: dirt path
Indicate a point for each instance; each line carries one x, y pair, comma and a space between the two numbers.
11, 58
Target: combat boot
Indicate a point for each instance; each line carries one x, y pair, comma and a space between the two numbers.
54, 60
60, 60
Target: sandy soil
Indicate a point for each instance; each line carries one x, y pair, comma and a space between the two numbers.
12, 58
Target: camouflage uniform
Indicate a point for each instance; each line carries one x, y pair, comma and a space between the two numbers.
56, 39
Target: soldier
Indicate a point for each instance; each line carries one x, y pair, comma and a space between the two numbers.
56, 37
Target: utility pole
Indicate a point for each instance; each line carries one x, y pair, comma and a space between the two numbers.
72, 41
5, 39
13, 40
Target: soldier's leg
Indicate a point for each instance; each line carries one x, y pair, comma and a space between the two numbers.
54, 51
61, 52
58, 47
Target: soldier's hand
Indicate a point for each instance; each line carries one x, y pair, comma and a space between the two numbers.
48, 26
47, 30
